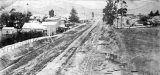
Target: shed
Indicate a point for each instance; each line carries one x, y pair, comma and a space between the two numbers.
8, 30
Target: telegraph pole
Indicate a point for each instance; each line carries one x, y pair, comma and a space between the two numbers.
27, 7
121, 11
117, 13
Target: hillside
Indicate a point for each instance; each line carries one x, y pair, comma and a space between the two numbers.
42, 7
144, 8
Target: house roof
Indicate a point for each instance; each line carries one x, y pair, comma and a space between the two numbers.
33, 26
49, 23
83, 18
63, 18
62, 26
8, 28
52, 18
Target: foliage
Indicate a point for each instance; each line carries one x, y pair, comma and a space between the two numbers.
12, 10
92, 14
15, 19
109, 12
156, 13
51, 13
18, 37
151, 14
123, 9
143, 18
4, 18
73, 17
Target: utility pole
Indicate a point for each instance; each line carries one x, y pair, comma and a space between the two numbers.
117, 12
121, 11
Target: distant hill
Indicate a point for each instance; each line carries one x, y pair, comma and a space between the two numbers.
146, 8
42, 7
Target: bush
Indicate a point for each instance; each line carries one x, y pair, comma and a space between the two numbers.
143, 18
18, 37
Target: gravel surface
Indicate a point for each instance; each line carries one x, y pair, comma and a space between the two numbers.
37, 58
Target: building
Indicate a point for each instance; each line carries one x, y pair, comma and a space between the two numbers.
51, 27
53, 19
83, 20
33, 26
8, 30
125, 22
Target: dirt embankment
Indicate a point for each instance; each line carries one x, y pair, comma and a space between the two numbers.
141, 50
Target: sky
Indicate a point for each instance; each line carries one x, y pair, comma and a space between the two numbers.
91, 4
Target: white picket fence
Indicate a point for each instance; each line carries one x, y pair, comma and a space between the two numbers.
10, 48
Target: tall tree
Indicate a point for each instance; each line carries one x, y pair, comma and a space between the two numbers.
51, 13
157, 13
4, 18
151, 14
92, 14
12, 10
109, 12
73, 18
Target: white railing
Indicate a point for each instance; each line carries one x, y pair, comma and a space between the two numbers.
10, 48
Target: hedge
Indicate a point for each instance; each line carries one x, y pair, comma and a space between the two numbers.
18, 37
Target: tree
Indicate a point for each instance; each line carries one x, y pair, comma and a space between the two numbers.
51, 13
109, 12
92, 14
12, 10
4, 18
15, 19
151, 14
157, 13
122, 11
143, 18
73, 18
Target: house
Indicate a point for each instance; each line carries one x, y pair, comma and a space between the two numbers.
83, 20
51, 27
63, 20
124, 22
62, 23
52, 19
36, 17
33, 26
131, 15
156, 20
8, 30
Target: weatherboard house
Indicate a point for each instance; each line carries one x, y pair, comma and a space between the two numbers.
51, 27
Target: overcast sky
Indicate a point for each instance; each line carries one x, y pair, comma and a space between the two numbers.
92, 4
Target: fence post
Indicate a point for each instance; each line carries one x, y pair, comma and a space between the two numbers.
3, 50
7, 49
